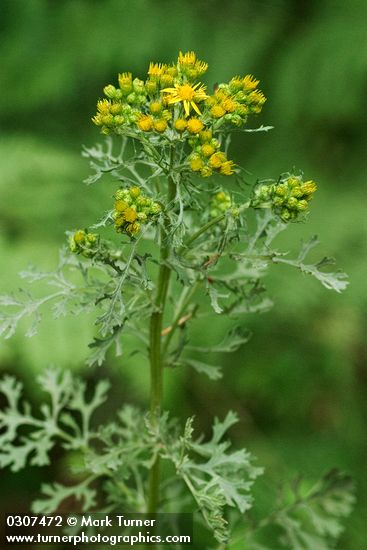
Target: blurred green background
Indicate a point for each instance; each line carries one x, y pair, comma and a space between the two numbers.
300, 385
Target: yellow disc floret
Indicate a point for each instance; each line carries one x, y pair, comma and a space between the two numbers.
160, 125
194, 125
180, 124
145, 123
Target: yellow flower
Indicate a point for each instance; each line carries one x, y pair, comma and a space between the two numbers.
121, 205
160, 125
189, 61
217, 111
186, 59
180, 124
236, 84
133, 228
188, 94
145, 123
156, 69
227, 168
155, 107
229, 105
250, 82
207, 149
309, 187
217, 159
257, 97
196, 163
103, 106
194, 125
126, 82
130, 215
97, 120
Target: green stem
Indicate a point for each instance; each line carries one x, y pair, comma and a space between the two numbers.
208, 225
184, 303
202, 230
155, 349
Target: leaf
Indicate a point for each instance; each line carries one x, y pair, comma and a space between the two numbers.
336, 280
214, 296
311, 519
215, 476
52, 422
55, 494
100, 346
236, 337
213, 372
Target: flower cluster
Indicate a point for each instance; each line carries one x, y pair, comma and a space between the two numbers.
207, 157
82, 242
288, 198
234, 101
172, 103
132, 210
221, 203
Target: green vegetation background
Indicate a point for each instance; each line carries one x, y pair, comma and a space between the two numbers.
300, 384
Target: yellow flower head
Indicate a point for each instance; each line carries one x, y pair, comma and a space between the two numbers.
160, 125
207, 150
126, 82
309, 187
217, 111
229, 105
187, 59
257, 97
188, 94
145, 123
103, 106
194, 125
236, 84
217, 159
155, 107
156, 69
191, 65
196, 163
130, 215
250, 82
180, 124
227, 168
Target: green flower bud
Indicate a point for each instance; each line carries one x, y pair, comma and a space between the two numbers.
107, 120
292, 202
110, 91
119, 120
302, 205
131, 98
138, 86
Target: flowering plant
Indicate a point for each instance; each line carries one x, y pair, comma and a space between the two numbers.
182, 246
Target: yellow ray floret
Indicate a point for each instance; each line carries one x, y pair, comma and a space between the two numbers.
187, 59
156, 69
188, 94
250, 82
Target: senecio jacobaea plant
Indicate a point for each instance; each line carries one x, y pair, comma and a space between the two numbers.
186, 237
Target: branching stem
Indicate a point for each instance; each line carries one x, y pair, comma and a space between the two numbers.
155, 350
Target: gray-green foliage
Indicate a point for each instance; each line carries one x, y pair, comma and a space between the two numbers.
229, 263
308, 518
118, 454
115, 458
218, 267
